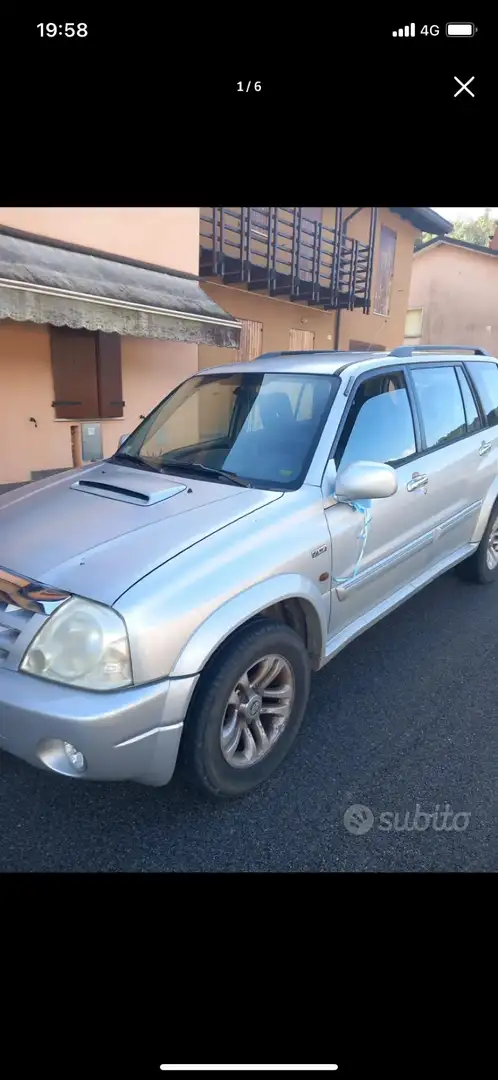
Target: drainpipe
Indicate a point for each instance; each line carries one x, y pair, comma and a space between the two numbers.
337, 335
354, 213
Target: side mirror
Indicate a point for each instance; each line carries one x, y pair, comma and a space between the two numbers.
366, 480
122, 439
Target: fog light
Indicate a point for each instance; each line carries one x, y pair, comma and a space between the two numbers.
74, 756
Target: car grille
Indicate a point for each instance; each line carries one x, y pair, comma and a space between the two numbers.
17, 629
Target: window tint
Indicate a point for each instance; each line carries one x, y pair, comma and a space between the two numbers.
379, 425
254, 424
471, 410
485, 377
441, 404
298, 390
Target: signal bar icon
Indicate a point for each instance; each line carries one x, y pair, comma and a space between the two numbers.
408, 31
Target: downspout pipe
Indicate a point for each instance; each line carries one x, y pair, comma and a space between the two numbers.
337, 335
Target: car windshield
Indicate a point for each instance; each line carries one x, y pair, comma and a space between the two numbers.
260, 427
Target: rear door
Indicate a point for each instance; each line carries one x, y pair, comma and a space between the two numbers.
484, 379
451, 430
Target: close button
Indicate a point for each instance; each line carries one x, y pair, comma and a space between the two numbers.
464, 86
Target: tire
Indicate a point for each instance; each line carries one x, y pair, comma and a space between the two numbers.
477, 568
212, 723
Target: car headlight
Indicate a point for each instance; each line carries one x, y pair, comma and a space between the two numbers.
82, 644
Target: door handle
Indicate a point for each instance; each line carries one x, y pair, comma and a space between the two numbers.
484, 448
417, 481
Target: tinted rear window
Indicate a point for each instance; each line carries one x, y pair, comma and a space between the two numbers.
485, 378
441, 404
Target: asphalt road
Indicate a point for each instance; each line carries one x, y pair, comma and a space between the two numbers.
407, 714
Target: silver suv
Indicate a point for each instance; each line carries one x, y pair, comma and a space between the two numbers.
172, 601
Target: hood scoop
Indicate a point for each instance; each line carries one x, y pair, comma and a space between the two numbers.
126, 491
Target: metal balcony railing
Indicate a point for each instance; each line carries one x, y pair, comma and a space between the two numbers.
278, 250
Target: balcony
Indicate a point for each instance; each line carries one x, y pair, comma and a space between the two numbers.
277, 250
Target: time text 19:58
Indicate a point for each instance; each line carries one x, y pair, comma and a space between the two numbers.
53, 30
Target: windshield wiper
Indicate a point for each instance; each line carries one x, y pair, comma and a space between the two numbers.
196, 466
136, 460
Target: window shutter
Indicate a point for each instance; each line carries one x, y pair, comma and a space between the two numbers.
385, 271
301, 340
110, 383
74, 372
251, 341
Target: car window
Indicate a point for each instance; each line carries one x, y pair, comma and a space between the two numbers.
471, 410
485, 377
379, 425
262, 426
441, 404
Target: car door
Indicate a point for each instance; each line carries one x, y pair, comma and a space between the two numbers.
379, 425
484, 379
455, 471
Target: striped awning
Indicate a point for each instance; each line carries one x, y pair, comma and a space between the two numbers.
42, 283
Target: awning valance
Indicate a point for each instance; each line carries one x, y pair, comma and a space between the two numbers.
44, 284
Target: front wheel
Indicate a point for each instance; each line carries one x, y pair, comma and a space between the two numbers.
247, 710
482, 566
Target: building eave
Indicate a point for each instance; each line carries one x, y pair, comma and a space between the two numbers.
449, 241
424, 219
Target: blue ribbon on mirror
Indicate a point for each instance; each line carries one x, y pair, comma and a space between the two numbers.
362, 506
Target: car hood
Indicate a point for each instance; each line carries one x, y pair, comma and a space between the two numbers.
96, 531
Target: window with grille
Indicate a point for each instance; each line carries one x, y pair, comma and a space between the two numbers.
413, 326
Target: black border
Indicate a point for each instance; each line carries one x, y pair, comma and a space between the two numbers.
110, 975
147, 111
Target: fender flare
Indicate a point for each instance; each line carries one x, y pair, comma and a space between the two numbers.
485, 513
239, 609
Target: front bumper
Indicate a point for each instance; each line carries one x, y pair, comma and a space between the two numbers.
131, 734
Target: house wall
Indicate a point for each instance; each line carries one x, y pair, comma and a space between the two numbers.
150, 369
458, 291
167, 236
280, 316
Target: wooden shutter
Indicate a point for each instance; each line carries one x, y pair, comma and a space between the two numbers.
251, 342
109, 378
385, 271
301, 340
74, 371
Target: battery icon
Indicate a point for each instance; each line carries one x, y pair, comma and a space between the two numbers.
460, 29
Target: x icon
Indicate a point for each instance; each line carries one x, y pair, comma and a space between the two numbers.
464, 86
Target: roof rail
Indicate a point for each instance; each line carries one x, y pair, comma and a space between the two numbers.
295, 352
410, 350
